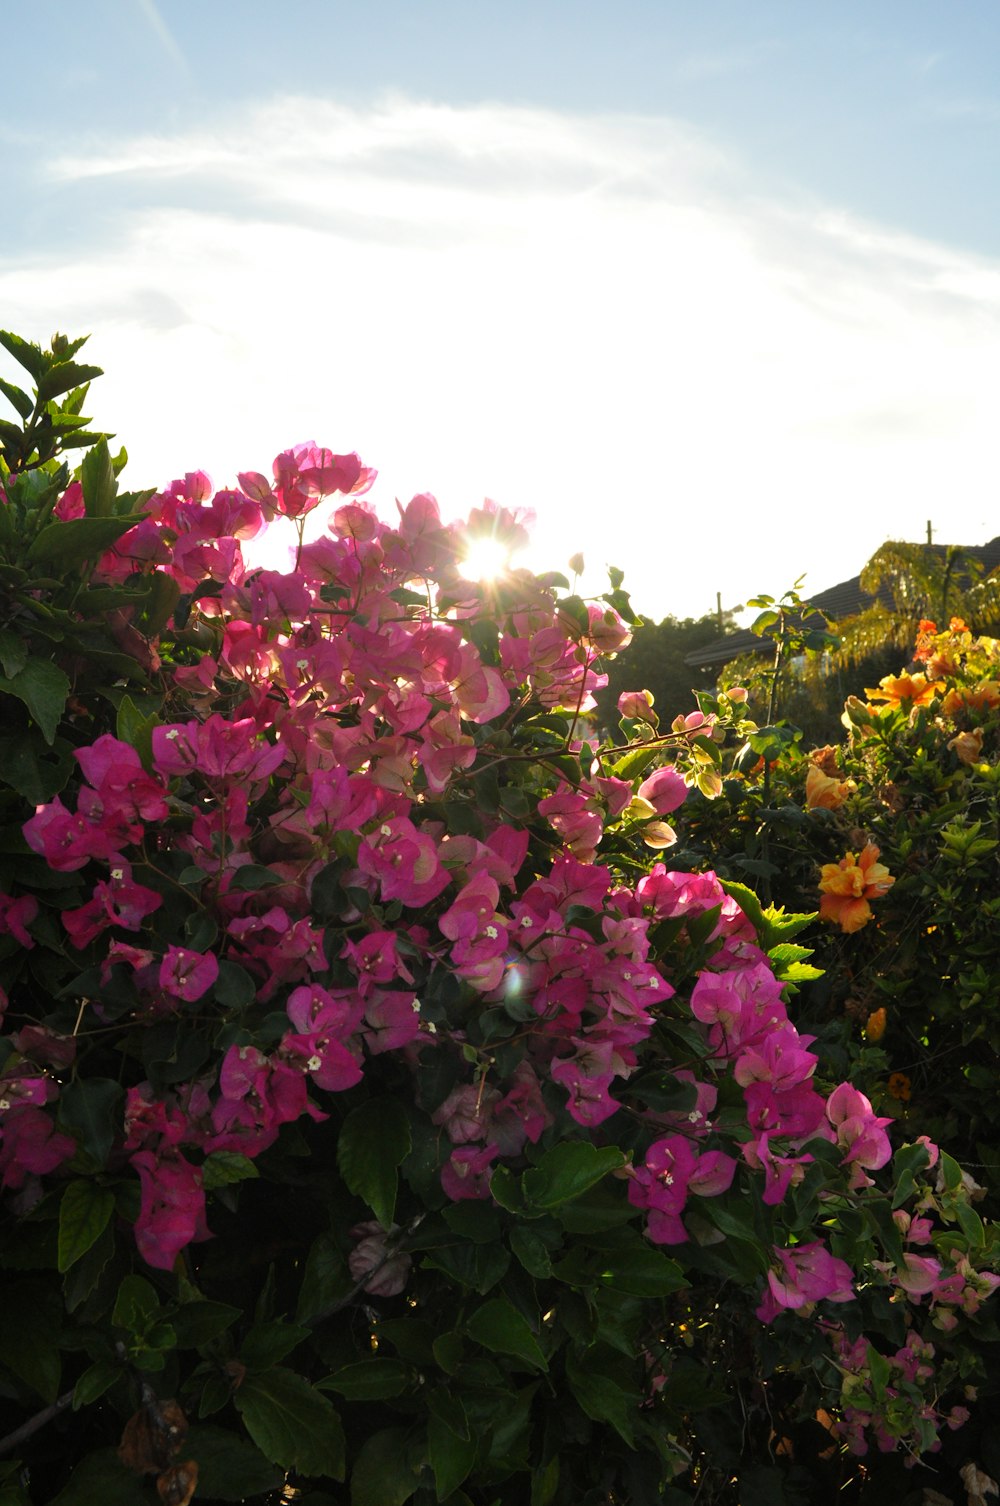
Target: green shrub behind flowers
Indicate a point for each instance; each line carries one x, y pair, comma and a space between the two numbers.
380, 1115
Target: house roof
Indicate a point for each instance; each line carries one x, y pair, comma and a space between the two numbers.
844, 600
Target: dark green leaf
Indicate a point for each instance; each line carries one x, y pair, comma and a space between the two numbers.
94, 1382
29, 1336
70, 541
89, 1107
25, 353
43, 687
385, 1472
13, 652
101, 1479
229, 1468
224, 1167
197, 1323
602, 1398
499, 1327
254, 876
369, 1380
62, 377
268, 1343
84, 1212
450, 1457
234, 987
477, 1266
374, 1140
567, 1170
136, 1305
292, 1423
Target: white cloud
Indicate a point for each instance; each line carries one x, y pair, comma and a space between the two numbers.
592, 317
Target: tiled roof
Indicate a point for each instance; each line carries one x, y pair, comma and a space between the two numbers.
838, 602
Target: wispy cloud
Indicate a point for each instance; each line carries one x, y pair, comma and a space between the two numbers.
164, 36
596, 318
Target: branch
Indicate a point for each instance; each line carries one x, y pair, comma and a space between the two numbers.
34, 1423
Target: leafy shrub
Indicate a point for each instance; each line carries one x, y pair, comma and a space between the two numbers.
378, 1114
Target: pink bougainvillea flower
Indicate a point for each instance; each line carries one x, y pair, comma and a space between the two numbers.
187, 975
172, 1209
665, 790
30, 1145
848, 886
15, 917
802, 1276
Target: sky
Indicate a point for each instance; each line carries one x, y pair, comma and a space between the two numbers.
710, 286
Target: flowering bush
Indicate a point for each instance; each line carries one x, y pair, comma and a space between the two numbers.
375, 1108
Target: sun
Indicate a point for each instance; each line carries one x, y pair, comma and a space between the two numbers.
485, 558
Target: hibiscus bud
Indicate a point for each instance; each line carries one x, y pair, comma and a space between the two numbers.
391, 1277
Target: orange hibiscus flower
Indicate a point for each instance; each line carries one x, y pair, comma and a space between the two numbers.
825, 793
905, 690
847, 887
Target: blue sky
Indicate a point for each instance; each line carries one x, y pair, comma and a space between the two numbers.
713, 287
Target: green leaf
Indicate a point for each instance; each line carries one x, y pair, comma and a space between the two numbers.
450, 1457
43, 688
324, 1279
499, 1327
136, 1304
62, 377
229, 1468
567, 1170
376, 1379
234, 987
224, 1167
136, 729
84, 1212
17, 399
13, 652
70, 541
97, 477
254, 876
268, 1343
385, 1472
374, 1141
89, 1107
532, 1251
29, 1336
602, 1399
197, 1323
102, 1478
479, 1267
292, 1423
25, 353
93, 1383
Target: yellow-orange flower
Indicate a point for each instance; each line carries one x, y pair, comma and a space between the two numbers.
968, 746
825, 793
847, 887
825, 759
905, 690
899, 1086
982, 697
